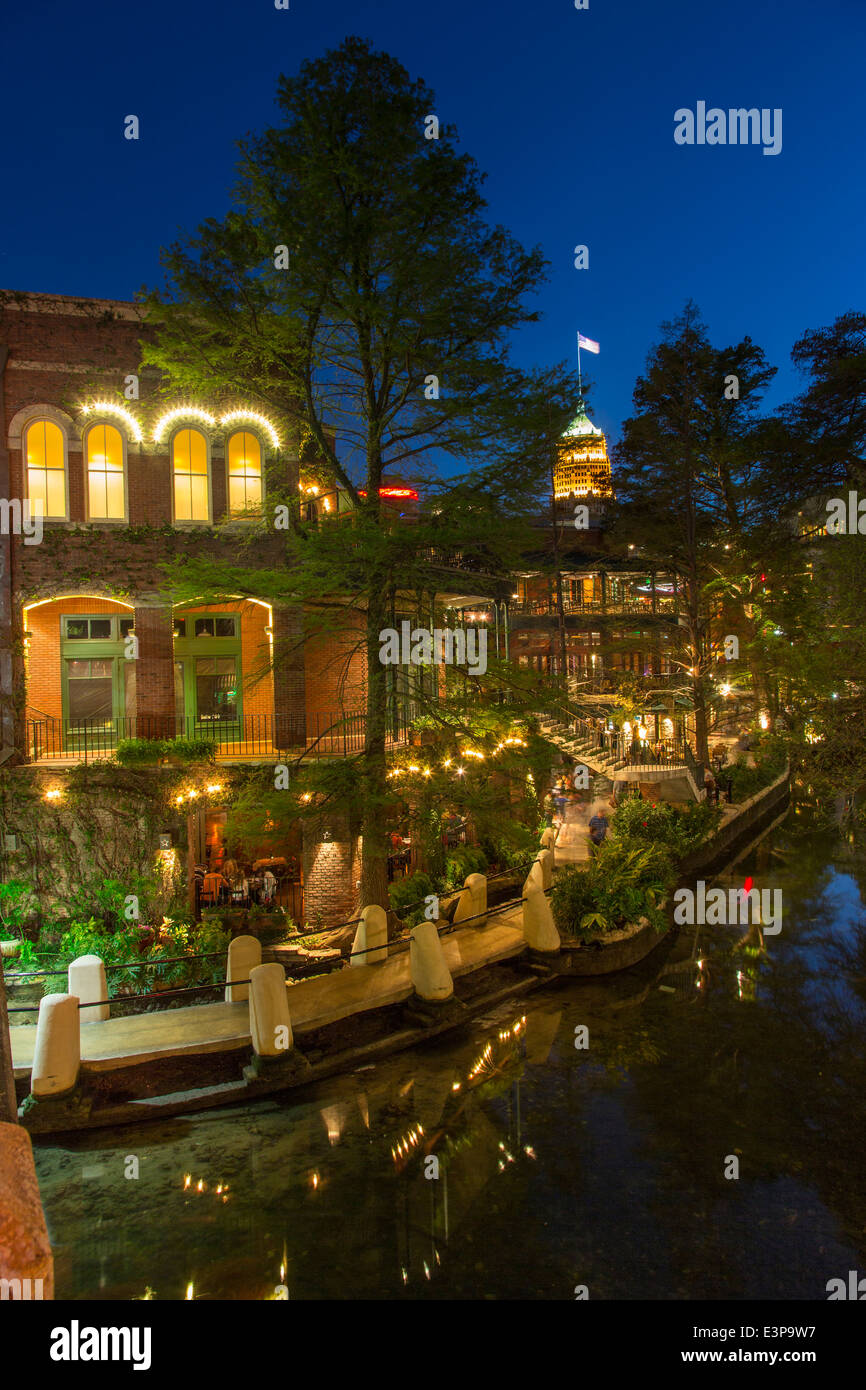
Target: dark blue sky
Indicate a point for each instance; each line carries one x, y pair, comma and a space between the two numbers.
569, 112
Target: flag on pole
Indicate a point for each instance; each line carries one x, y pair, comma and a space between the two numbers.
587, 344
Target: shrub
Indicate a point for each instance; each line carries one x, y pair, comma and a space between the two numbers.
572, 899
193, 750
461, 862
14, 907
514, 850
407, 897
679, 828
622, 884
140, 752
770, 754
90, 938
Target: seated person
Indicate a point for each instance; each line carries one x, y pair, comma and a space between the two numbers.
214, 888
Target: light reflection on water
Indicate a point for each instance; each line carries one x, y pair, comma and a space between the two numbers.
558, 1166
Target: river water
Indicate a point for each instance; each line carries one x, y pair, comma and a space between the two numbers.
561, 1168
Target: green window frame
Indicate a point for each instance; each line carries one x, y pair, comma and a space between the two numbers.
196, 652
90, 653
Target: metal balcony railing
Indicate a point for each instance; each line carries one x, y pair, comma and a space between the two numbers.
546, 608
317, 735
626, 751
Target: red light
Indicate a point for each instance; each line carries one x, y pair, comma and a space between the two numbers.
393, 492
747, 886
763, 577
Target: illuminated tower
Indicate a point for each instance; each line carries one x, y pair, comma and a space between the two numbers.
582, 465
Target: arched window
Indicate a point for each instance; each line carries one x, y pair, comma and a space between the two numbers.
245, 473
106, 490
45, 452
191, 490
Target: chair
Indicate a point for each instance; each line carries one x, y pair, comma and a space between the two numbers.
212, 888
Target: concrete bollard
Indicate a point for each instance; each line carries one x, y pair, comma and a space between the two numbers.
539, 928
270, 1021
86, 980
544, 857
57, 1051
430, 974
477, 886
244, 954
534, 879
371, 938
465, 907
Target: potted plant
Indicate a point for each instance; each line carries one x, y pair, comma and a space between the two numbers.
140, 752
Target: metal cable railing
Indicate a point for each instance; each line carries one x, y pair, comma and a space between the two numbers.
218, 984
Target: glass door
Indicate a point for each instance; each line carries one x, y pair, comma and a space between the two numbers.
208, 694
94, 681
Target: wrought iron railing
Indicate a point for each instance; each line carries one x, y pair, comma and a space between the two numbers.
624, 749
314, 735
547, 608
695, 768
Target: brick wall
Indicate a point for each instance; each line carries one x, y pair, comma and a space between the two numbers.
329, 870
154, 685
335, 664
155, 670
43, 671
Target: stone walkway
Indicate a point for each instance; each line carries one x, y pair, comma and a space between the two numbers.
313, 1003
572, 842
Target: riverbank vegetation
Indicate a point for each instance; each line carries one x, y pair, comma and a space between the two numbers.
633, 871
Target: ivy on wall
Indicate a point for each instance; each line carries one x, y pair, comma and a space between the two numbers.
104, 826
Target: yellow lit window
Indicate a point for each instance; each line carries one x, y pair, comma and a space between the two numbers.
245, 473
105, 482
46, 468
189, 459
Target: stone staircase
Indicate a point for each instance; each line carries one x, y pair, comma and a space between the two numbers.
581, 747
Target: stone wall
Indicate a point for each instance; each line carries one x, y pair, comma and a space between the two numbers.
738, 830
25, 1250
105, 824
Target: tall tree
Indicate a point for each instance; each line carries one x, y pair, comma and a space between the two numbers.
357, 287
686, 477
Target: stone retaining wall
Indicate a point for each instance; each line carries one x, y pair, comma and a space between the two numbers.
738, 830
26, 1261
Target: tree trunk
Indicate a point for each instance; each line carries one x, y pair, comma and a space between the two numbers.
8, 1102
374, 849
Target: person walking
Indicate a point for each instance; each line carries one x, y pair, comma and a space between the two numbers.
598, 827
560, 799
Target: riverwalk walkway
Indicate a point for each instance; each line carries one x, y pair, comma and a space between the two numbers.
572, 842
202, 1028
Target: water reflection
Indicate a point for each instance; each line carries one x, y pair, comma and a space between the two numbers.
509, 1162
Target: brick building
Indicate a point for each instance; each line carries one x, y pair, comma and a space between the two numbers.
579, 599
92, 647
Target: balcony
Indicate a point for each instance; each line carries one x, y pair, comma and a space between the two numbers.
255, 738
629, 607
